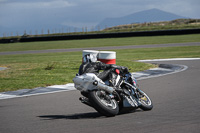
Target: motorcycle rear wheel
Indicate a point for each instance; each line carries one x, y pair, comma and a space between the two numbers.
103, 103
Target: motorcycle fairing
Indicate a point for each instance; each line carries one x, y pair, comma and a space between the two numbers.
85, 82
130, 101
90, 81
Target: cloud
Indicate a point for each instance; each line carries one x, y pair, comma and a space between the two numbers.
79, 24
54, 4
39, 4
82, 13
15, 13
3, 1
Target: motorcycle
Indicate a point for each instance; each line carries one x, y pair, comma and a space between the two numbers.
109, 100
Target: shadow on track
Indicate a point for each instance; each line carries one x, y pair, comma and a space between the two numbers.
91, 115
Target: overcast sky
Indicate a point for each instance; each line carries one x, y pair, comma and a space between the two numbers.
82, 13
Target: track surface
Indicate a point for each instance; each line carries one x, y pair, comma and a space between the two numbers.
176, 109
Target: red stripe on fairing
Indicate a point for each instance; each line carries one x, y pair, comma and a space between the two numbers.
108, 61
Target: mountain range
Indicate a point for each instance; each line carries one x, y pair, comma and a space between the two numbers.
40, 26
152, 15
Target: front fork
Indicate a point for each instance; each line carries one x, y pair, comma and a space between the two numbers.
135, 91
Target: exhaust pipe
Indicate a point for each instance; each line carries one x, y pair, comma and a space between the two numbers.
103, 87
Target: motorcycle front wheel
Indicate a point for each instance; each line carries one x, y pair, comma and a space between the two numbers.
103, 103
146, 103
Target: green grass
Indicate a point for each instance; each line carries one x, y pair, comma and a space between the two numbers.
127, 28
28, 71
37, 70
162, 25
99, 42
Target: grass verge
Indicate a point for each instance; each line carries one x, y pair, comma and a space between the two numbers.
37, 70
99, 42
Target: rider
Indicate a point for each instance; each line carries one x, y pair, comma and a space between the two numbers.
91, 65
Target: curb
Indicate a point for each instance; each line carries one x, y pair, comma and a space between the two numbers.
163, 69
36, 91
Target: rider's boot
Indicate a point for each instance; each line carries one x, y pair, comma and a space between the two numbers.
85, 101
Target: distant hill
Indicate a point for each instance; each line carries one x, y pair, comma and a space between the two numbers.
152, 26
152, 15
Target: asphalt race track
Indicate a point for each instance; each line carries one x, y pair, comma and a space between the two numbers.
175, 98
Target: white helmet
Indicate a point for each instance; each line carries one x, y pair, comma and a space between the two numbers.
89, 58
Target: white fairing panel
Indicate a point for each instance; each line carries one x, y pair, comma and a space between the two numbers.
85, 82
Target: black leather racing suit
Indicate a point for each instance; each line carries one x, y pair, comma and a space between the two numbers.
94, 67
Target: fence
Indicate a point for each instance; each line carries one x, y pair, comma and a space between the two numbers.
102, 35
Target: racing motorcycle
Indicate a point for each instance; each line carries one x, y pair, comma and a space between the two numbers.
109, 100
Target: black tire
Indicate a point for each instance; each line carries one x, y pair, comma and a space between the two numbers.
103, 103
146, 103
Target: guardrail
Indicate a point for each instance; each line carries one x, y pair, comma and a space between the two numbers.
103, 35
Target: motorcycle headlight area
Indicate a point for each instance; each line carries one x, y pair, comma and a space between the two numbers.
85, 82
